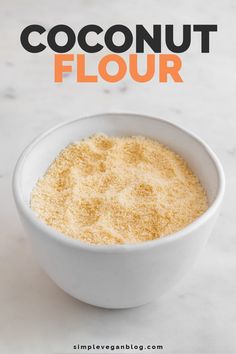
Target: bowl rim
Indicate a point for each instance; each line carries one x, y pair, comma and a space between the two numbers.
114, 248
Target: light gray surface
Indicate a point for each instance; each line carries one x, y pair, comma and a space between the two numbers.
199, 315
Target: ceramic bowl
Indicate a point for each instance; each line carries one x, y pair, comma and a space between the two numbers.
117, 276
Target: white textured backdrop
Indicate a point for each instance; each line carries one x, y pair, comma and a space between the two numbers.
199, 315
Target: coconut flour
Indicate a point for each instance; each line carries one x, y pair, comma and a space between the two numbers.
116, 190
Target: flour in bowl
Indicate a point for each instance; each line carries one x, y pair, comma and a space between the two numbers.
118, 190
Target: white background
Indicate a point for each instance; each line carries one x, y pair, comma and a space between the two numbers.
199, 315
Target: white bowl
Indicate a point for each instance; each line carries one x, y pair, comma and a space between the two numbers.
117, 276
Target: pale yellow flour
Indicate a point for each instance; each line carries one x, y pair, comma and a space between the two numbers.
115, 190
